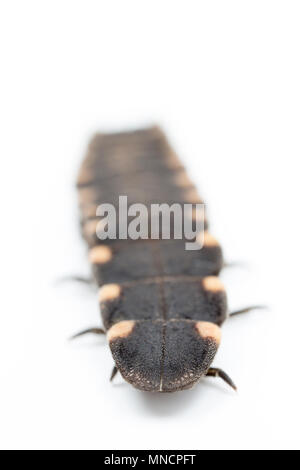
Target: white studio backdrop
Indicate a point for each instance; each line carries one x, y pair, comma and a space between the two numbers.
222, 78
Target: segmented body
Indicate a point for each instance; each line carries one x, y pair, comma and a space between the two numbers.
161, 304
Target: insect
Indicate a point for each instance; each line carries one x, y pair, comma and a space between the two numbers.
162, 306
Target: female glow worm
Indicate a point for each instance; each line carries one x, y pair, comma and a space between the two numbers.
162, 306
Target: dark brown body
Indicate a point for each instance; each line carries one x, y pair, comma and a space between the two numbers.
161, 305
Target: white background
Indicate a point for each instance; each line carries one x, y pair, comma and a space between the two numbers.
222, 78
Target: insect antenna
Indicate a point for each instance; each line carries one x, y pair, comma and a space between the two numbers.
248, 309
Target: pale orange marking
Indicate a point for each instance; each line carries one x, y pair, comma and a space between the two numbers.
209, 330
121, 329
89, 210
90, 227
94, 227
206, 239
100, 254
213, 284
182, 179
86, 194
198, 214
109, 292
192, 196
85, 175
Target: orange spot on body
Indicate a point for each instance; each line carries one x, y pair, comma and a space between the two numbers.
209, 330
109, 292
213, 284
121, 329
206, 239
100, 254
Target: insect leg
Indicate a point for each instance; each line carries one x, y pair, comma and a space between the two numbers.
80, 279
213, 372
235, 264
95, 331
247, 309
114, 373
